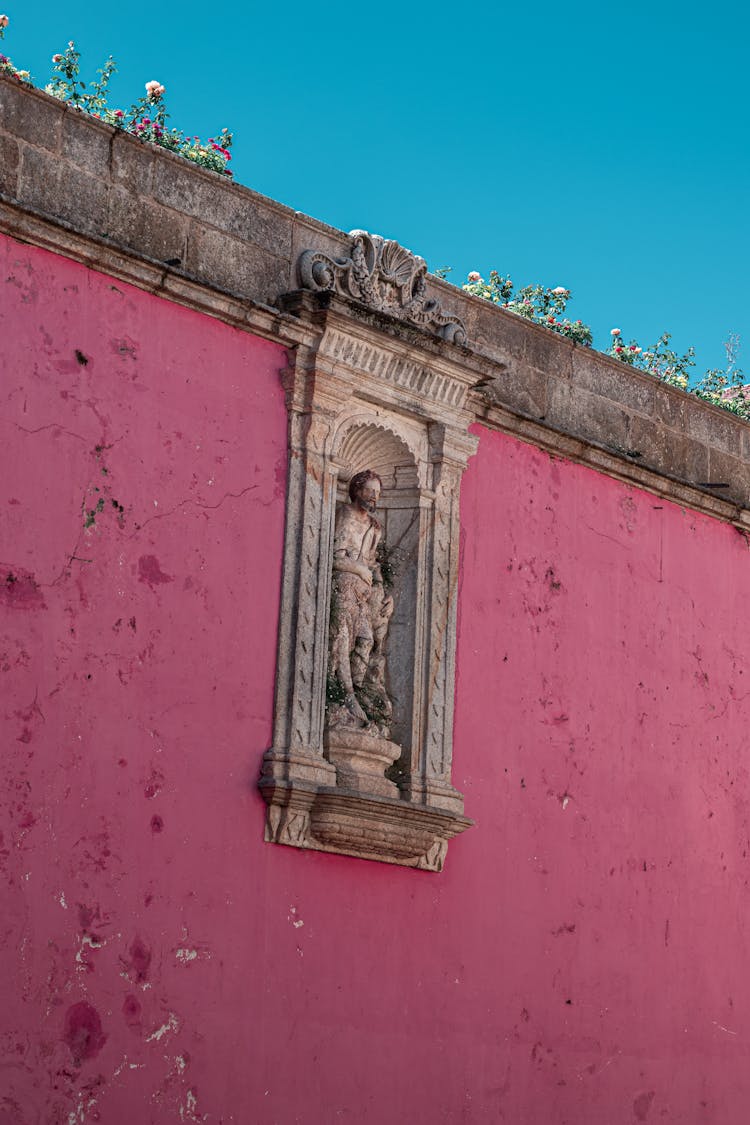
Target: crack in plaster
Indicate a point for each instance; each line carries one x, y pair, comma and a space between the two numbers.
197, 503
49, 426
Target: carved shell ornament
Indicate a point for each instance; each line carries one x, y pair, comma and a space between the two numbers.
384, 276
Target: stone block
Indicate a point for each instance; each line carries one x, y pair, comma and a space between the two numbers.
613, 380
83, 200
63, 191
522, 389
491, 331
86, 142
216, 258
9, 160
144, 226
218, 202
724, 469
587, 416
132, 163
716, 427
670, 404
30, 115
664, 450
547, 350
39, 180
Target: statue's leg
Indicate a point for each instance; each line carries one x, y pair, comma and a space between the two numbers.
340, 664
360, 659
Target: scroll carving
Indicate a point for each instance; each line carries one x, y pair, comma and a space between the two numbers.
384, 276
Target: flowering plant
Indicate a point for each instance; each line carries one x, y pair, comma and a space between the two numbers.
660, 359
145, 119
6, 65
67, 86
534, 302
726, 388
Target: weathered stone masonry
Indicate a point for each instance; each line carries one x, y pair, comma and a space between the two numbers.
74, 185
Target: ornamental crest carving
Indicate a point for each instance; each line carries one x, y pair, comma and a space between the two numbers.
384, 276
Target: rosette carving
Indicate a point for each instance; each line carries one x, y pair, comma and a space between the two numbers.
384, 276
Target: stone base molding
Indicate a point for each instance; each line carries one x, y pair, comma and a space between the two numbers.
336, 819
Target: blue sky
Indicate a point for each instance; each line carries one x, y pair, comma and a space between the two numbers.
599, 147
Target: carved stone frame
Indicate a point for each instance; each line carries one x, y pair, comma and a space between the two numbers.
360, 376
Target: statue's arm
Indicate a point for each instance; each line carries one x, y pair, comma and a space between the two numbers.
343, 564
343, 547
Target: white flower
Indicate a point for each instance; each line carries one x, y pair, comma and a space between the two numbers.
154, 89
560, 291
57, 58
474, 276
4, 21
615, 332
22, 74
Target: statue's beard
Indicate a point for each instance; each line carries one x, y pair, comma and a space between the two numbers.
369, 505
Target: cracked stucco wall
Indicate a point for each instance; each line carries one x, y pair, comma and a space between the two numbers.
144, 466
582, 956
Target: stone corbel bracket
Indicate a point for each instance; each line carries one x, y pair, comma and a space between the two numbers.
366, 389
385, 277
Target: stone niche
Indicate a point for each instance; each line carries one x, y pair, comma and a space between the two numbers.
380, 382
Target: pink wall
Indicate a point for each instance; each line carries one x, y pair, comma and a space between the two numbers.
581, 958
601, 740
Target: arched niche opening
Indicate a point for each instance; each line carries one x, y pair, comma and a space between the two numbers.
369, 444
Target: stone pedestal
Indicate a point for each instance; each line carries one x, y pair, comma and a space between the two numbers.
361, 760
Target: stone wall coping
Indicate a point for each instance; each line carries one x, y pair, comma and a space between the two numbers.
80, 187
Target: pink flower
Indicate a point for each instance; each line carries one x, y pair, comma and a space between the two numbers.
615, 332
560, 291
474, 276
57, 58
119, 113
618, 350
154, 89
146, 120
4, 21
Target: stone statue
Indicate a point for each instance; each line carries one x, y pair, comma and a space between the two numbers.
361, 610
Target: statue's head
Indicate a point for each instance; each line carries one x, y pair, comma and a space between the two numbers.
364, 490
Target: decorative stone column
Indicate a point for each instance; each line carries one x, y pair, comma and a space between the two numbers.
380, 382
